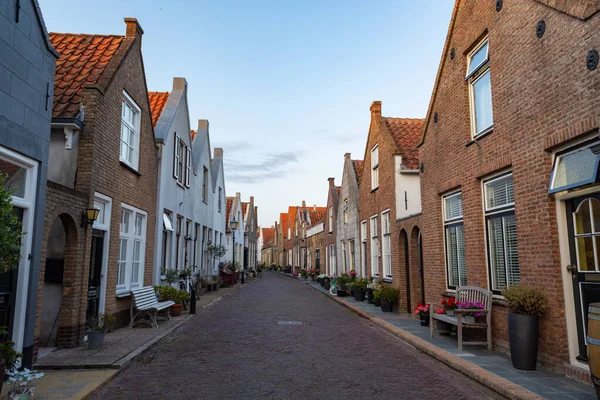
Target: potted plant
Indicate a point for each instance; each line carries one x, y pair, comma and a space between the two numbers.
342, 285
359, 288
449, 305
422, 310
471, 318
388, 296
96, 329
168, 293
526, 305
372, 286
352, 274
8, 356
21, 386
170, 276
443, 328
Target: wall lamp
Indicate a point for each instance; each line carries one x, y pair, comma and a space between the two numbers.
89, 216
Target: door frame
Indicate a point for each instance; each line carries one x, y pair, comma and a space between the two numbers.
107, 201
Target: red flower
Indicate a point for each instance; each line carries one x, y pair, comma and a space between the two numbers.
440, 311
444, 302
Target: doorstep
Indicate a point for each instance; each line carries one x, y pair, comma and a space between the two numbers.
490, 368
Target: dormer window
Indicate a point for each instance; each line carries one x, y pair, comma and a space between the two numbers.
480, 89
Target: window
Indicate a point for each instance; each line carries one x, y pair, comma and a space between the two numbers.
455, 240
363, 247
346, 211
178, 241
503, 254
344, 263
188, 166
188, 243
351, 250
375, 167
205, 185
196, 236
575, 168
220, 194
332, 260
374, 247
132, 247
480, 90
178, 160
387, 245
130, 132
166, 242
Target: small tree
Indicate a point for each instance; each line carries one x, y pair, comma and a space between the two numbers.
11, 230
216, 251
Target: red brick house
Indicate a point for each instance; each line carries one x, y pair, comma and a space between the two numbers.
330, 232
103, 157
509, 162
389, 153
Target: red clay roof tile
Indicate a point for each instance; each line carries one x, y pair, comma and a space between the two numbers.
83, 60
358, 167
406, 132
268, 236
283, 221
244, 208
228, 207
157, 100
317, 216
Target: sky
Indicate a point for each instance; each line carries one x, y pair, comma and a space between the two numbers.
285, 84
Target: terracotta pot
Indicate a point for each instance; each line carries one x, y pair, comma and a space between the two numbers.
176, 309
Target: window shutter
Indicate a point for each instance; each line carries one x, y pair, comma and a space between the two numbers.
188, 166
176, 157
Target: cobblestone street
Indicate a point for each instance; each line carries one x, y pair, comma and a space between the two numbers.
239, 349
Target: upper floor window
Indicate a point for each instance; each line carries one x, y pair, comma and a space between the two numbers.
130, 132
289, 236
330, 219
188, 165
387, 245
346, 211
375, 167
480, 89
575, 168
455, 240
205, 185
220, 194
179, 159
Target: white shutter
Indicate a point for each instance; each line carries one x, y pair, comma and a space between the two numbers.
176, 157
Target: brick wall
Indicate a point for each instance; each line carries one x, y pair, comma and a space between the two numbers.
542, 95
329, 232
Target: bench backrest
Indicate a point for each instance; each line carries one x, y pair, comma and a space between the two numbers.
474, 294
144, 297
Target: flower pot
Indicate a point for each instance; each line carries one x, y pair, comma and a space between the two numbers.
326, 285
450, 313
176, 310
523, 339
370, 296
377, 302
444, 328
386, 307
95, 339
342, 293
359, 295
424, 319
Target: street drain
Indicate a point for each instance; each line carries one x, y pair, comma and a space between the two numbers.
285, 322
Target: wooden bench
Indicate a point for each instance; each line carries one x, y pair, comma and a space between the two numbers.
465, 294
145, 302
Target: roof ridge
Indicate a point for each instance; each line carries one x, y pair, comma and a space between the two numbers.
86, 34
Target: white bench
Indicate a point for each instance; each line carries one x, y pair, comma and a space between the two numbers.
145, 302
464, 294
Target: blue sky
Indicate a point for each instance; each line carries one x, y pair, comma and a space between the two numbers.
287, 84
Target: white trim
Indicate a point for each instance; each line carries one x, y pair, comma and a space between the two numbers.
493, 178
472, 53
375, 168
126, 287
134, 163
105, 246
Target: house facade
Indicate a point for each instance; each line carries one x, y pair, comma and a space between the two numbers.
235, 238
103, 156
315, 244
268, 246
329, 239
502, 199
250, 215
388, 139
349, 246
27, 68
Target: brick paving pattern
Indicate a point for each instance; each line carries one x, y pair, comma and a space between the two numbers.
238, 349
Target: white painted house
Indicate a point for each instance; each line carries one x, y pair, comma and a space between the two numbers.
234, 211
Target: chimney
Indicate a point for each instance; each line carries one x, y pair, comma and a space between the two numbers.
179, 84
218, 153
347, 156
303, 204
133, 29
202, 127
331, 182
315, 208
376, 109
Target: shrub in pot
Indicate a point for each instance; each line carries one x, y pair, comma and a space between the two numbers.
168, 293
389, 297
96, 329
8, 356
358, 287
372, 286
343, 283
526, 305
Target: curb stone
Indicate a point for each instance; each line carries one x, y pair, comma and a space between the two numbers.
472, 371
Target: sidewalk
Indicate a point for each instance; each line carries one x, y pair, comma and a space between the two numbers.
77, 373
492, 369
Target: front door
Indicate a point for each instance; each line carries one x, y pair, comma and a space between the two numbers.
95, 273
318, 259
583, 218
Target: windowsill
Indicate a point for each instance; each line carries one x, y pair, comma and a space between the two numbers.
205, 202
180, 184
499, 301
129, 167
479, 136
372, 190
408, 216
122, 295
387, 280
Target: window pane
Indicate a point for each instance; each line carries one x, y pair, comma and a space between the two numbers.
15, 181
499, 192
478, 58
512, 251
585, 254
135, 268
167, 222
496, 249
138, 225
124, 221
482, 96
122, 261
596, 213
462, 266
577, 168
453, 206
583, 221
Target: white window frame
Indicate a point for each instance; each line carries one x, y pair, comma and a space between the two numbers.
501, 211
449, 223
363, 247
352, 254
104, 226
478, 72
374, 246
330, 219
375, 167
131, 237
220, 198
135, 146
344, 263
386, 232
188, 166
